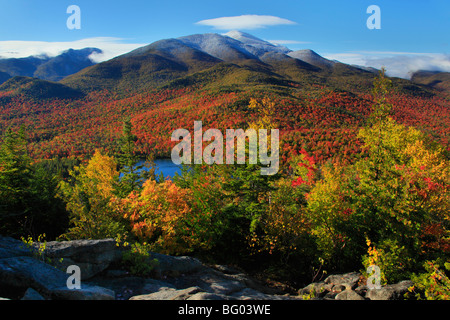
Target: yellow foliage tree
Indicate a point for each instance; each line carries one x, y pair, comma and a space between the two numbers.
265, 110
88, 199
397, 196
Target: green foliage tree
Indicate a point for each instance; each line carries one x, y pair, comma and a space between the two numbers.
229, 201
207, 220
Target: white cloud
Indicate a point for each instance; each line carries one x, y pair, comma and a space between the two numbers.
111, 47
396, 53
250, 21
397, 64
284, 42
349, 58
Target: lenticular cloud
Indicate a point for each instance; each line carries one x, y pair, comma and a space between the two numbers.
245, 22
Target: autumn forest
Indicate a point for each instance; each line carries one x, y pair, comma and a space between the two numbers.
364, 176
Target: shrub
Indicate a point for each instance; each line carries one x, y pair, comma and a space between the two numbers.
393, 260
137, 259
433, 284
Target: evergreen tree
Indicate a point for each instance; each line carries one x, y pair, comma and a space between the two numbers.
27, 192
15, 180
248, 192
133, 173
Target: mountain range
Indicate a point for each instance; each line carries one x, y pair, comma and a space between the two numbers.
234, 59
47, 68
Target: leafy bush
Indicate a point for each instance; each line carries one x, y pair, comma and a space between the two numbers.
394, 261
433, 284
283, 237
207, 221
39, 250
137, 259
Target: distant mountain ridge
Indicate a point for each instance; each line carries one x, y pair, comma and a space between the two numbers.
47, 68
435, 79
235, 60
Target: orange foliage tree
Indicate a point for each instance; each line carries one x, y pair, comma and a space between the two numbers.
164, 215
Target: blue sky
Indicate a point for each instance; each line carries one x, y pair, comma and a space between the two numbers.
413, 34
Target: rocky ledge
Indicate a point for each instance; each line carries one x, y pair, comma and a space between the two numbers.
348, 287
25, 275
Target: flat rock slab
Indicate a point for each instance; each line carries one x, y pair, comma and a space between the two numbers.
94, 251
169, 294
92, 256
27, 272
127, 287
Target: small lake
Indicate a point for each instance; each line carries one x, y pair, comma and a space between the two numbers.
166, 166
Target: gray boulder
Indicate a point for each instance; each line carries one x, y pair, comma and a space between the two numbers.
175, 266
347, 280
32, 294
390, 292
348, 295
92, 256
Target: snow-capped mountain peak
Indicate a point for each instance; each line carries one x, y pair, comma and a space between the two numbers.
253, 41
311, 57
245, 37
